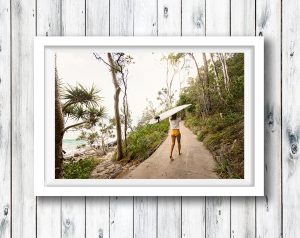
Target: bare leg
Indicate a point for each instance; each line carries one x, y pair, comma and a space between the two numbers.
172, 146
179, 144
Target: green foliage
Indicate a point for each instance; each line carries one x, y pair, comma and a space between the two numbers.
142, 142
222, 127
223, 136
80, 169
200, 136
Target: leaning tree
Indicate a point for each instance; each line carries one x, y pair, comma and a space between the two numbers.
80, 106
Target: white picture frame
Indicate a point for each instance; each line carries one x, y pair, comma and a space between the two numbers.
45, 183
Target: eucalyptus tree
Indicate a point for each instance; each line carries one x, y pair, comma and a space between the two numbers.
117, 64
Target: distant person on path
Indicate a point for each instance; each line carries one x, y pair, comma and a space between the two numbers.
175, 133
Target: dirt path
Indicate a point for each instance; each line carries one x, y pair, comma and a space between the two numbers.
196, 162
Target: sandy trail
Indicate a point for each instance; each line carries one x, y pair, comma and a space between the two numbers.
196, 161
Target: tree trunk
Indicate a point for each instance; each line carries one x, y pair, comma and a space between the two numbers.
199, 76
223, 62
116, 107
206, 83
59, 129
216, 75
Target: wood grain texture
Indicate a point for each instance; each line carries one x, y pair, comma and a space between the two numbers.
145, 217
5, 121
121, 17
193, 17
268, 208
97, 18
169, 217
23, 200
73, 17
73, 217
218, 17
217, 217
97, 217
242, 208
218, 208
48, 208
169, 17
121, 217
145, 17
193, 217
290, 117
48, 223
242, 18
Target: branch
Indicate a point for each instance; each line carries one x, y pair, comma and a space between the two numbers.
74, 125
100, 58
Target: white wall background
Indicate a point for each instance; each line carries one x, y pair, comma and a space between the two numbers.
275, 215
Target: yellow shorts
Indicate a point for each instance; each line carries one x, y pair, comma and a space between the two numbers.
175, 132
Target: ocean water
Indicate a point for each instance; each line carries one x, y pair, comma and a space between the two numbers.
70, 145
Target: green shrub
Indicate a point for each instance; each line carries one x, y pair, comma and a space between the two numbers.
142, 142
200, 136
80, 169
223, 134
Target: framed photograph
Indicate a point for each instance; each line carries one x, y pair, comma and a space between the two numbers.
149, 116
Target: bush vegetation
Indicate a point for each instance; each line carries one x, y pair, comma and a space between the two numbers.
80, 169
144, 140
219, 124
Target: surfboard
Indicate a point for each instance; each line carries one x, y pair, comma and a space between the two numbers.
168, 113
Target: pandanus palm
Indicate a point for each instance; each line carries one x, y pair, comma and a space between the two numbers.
81, 105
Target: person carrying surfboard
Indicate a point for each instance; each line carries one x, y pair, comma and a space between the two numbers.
175, 133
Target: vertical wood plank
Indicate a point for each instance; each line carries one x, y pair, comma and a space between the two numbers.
218, 208
145, 208
268, 208
145, 217
121, 208
48, 217
169, 217
193, 208
97, 208
23, 200
169, 17
73, 208
97, 217
48, 208
73, 17
97, 18
242, 18
242, 208
121, 217
5, 120
121, 17
218, 17
193, 17
290, 117
73, 217
242, 217
169, 208
145, 17
217, 217
193, 217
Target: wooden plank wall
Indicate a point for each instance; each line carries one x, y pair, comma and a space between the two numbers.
274, 215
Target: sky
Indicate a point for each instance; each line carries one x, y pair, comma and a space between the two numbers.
146, 76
